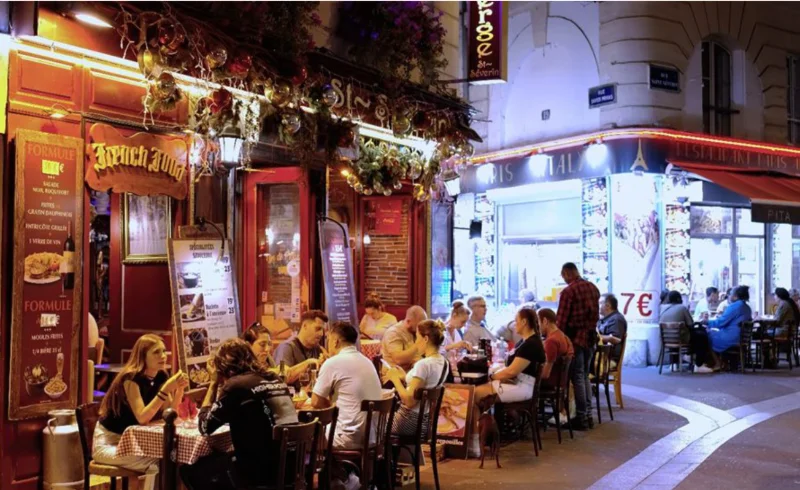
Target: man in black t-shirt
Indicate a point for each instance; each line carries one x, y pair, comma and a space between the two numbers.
252, 401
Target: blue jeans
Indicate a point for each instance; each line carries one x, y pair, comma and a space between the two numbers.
580, 382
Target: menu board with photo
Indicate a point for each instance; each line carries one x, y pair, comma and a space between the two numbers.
47, 296
594, 233
454, 426
204, 302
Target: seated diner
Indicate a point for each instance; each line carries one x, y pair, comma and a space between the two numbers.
137, 396
260, 341
375, 320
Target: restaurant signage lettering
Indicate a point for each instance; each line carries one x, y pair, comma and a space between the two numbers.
602, 95
663, 78
775, 213
337, 272
204, 302
455, 427
143, 164
734, 157
387, 214
47, 296
488, 41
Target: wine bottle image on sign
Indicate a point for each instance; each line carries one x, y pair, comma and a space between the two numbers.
68, 263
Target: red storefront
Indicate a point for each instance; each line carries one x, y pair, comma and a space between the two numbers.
69, 83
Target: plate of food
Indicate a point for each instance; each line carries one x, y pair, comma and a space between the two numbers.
43, 268
35, 379
453, 414
189, 314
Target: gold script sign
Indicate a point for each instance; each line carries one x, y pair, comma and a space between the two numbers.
143, 164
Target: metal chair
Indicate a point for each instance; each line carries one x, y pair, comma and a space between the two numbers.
430, 402
600, 367
557, 395
528, 411
379, 415
672, 344
327, 417
87, 416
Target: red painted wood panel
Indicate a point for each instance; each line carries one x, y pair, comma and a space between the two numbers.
40, 82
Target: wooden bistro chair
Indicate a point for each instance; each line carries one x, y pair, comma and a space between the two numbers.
600, 369
672, 345
379, 416
784, 344
762, 342
527, 410
557, 395
743, 349
615, 373
87, 416
430, 402
328, 418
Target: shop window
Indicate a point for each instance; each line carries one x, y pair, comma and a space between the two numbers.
745, 225
793, 98
717, 107
707, 220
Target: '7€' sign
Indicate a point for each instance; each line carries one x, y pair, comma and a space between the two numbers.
639, 305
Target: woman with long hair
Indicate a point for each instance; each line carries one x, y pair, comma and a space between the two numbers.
514, 383
428, 373
137, 396
251, 399
260, 341
375, 320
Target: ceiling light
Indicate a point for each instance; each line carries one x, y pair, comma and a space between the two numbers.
57, 111
93, 20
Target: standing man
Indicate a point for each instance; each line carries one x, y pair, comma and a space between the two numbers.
578, 313
612, 326
476, 325
346, 379
304, 348
399, 343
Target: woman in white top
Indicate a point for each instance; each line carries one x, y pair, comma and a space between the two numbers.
375, 321
428, 373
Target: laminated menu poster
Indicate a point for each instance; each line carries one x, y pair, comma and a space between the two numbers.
204, 302
337, 271
454, 427
47, 297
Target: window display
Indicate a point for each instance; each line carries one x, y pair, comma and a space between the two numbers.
595, 232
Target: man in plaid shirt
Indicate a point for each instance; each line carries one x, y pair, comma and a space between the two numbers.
578, 313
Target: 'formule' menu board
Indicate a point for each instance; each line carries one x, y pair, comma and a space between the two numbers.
47, 296
204, 302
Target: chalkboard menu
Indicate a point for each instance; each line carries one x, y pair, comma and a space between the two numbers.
204, 302
337, 270
47, 297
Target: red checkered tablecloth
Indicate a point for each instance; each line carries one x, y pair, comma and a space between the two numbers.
148, 440
371, 348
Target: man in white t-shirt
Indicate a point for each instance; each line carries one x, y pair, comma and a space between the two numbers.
346, 379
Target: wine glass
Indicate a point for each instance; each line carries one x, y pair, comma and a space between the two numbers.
305, 382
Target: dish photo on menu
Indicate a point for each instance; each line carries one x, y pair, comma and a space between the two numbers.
453, 414
678, 217
196, 342
198, 374
189, 276
193, 308
42, 268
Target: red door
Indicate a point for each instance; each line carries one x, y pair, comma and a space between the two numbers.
278, 240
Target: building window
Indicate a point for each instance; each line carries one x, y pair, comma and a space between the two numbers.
716, 89
793, 98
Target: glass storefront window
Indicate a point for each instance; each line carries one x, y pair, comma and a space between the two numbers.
707, 220
278, 254
745, 226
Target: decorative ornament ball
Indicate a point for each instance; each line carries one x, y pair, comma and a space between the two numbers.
466, 149
359, 187
292, 122
240, 65
367, 191
348, 138
417, 190
281, 94
415, 170
150, 62
217, 57
378, 187
165, 85
422, 121
329, 96
401, 125
352, 180
300, 76
387, 192
221, 100
398, 185
170, 37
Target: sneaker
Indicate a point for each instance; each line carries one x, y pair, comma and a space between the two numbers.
563, 420
703, 369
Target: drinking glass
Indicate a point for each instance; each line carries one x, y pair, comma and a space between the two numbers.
305, 381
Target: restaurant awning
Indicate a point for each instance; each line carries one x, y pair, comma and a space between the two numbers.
775, 196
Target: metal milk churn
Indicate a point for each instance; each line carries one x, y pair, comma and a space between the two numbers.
63, 456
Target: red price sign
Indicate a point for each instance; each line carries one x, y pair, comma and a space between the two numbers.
639, 305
